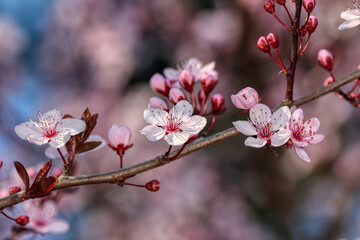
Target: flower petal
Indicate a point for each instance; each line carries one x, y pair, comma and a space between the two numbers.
348, 15
119, 135
280, 118
60, 139
245, 128
153, 133
37, 139
182, 110
349, 24
28, 128
171, 73
302, 154
73, 125
260, 113
55, 226
193, 124
297, 116
255, 142
206, 68
280, 138
176, 138
314, 139
155, 116
236, 100
53, 115
297, 143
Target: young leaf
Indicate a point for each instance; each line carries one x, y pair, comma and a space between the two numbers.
23, 174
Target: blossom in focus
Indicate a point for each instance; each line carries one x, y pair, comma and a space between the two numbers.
42, 218
245, 98
176, 127
119, 138
303, 133
266, 126
193, 65
50, 129
52, 153
351, 17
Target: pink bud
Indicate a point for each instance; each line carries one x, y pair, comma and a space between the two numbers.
245, 98
22, 220
119, 138
1, 163
326, 59
273, 40
311, 24
269, 6
280, 2
328, 81
14, 189
263, 44
176, 95
218, 103
309, 5
209, 80
156, 102
186, 80
302, 31
153, 185
158, 84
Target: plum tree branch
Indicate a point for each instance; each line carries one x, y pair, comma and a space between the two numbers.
122, 174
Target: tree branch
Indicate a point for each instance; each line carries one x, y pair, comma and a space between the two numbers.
122, 174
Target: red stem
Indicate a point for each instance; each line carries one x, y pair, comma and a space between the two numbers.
62, 157
178, 153
306, 44
168, 151
291, 20
121, 161
205, 105
281, 62
13, 219
211, 125
274, 14
275, 60
134, 185
193, 100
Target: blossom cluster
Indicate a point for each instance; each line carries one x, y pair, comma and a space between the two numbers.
275, 129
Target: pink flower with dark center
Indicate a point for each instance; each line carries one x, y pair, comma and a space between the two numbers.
50, 129
42, 218
303, 133
351, 17
176, 127
266, 126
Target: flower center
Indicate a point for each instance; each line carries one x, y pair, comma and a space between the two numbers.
172, 125
47, 125
264, 131
300, 129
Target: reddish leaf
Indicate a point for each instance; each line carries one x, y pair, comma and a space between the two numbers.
42, 184
21, 170
88, 146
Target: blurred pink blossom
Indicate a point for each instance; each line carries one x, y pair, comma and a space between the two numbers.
42, 218
159, 103
351, 17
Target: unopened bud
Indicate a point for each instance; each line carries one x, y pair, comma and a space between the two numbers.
311, 24
309, 5
158, 84
273, 40
176, 95
263, 44
158, 103
153, 185
22, 220
328, 81
280, 2
326, 59
245, 98
209, 80
218, 103
269, 6
187, 80
14, 189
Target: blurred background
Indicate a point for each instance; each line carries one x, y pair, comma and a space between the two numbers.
73, 54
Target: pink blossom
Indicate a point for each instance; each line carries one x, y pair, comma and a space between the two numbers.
156, 102
42, 218
176, 95
266, 126
245, 98
209, 80
50, 129
303, 133
158, 84
193, 66
351, 17
119, 138
175, 127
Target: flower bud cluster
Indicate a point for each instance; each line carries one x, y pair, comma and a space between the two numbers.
182, 84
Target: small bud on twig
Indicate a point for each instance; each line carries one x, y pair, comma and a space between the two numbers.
269, 6
153, 185
311, 24
218, 103
326, 59
273, 40
263, 44
309, 5
22, 220
176, 95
